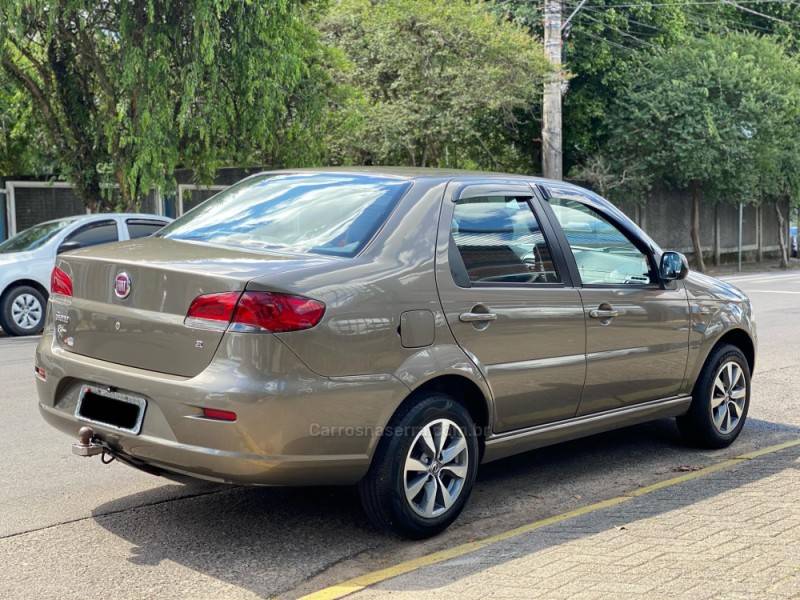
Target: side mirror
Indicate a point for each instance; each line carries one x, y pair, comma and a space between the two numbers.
68, 246
673, 266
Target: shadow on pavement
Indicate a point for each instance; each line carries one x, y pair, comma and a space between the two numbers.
625, 516
272, 540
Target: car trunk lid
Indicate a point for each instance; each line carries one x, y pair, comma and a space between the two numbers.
146, 329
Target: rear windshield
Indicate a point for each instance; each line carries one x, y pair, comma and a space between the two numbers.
319, 213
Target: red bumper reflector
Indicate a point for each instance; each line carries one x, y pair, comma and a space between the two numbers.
40, 373
219, 415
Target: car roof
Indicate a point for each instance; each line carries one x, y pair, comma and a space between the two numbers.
442, 175
419, 173
93, 216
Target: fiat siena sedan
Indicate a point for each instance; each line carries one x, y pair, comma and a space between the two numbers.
391, 328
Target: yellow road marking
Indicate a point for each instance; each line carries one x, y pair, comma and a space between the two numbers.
351, 586
770, 449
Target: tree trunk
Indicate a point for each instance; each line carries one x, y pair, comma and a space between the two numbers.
127, 202
698, 249
781, 239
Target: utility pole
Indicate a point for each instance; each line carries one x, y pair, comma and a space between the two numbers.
554, 32
551, 105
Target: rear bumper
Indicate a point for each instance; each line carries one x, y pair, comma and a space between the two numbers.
294, 427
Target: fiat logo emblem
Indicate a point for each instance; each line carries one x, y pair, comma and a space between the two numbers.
122, 285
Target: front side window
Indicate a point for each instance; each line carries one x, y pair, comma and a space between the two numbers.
604, 255
319, 213
101, 232
499, 241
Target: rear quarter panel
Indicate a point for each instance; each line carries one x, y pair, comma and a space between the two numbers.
366, 296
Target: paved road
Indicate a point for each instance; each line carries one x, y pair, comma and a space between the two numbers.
731, 532
73, 528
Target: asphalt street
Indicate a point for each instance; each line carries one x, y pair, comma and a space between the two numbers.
74, 528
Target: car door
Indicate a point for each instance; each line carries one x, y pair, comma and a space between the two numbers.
510, 302
637, 328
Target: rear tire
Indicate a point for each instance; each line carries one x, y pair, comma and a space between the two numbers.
720, 402
423, 469
22, 311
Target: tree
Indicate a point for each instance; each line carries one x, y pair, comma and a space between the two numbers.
127, 91
441, 82
601, 43
606, 38
23, 148
718, 116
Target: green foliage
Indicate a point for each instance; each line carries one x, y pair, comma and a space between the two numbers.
601, 43
127, 91
608, 38
717, 113
440, 82
23, 150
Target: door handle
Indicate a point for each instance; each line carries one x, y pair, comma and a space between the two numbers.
604, 312
476, 317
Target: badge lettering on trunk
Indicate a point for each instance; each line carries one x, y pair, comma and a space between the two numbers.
122, 285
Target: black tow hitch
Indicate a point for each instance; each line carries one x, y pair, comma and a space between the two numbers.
89, 444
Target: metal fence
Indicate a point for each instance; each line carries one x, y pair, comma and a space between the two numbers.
30, 202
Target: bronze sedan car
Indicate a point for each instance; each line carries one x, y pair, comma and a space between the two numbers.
387, 327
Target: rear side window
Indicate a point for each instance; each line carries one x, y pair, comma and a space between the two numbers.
139, 228
499, 241
327, 213
100, 232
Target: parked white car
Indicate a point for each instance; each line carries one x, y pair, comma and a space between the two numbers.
27, 259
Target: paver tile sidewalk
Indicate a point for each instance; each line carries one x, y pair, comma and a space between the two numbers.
731, 534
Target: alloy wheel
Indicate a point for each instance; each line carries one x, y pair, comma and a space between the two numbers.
728, 397
436, 468
26, 311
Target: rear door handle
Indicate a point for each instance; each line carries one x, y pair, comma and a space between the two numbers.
603, 313
474, 317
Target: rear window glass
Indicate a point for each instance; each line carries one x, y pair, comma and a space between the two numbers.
320, 213
139, 228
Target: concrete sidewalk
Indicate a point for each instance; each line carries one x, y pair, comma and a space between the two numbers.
731, 534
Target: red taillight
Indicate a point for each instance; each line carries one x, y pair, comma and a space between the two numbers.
219, 415
254, 311
269, 311
212, 311
60, 282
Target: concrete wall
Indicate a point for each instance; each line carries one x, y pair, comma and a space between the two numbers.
666, 216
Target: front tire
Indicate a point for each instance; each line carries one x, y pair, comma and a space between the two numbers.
22, 311
720, 402
423, 469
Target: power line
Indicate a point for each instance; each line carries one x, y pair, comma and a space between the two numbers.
755, 12
620, 31
726, 22
639, 23
691, 3
574, 12
602, 39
